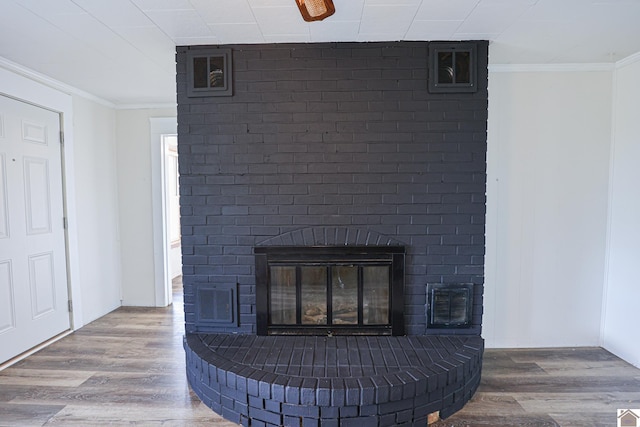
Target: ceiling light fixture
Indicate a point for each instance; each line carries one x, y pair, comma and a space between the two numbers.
315, 10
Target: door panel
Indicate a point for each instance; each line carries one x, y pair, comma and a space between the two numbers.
34, 132
4, 218
41, 280
7, 311
33, 276
36, 188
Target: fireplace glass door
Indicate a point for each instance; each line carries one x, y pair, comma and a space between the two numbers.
313, 295
283, 295
375, 298
322, 294
329, 294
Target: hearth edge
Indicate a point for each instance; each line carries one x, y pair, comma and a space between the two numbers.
257, 397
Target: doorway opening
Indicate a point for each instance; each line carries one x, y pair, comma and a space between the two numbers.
172, 205
166, 208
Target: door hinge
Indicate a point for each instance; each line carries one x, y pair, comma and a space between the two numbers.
70, 305
64, 222
62, 137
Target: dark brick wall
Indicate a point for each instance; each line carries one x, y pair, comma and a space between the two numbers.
340, 137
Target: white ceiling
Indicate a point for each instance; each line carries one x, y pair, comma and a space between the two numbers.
123, 50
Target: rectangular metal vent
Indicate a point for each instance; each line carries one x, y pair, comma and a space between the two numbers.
452, 67
216, 304
209, 72
449, 306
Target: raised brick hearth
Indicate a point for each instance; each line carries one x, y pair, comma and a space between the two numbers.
333, 381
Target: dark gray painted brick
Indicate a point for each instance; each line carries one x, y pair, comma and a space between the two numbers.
290, 421
353, 140
263, 415
301, 410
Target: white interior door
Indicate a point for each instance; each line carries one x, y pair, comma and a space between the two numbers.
33, 277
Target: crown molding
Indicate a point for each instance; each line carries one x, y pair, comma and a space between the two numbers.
549, 68
151, 106
628, 60
71, 90
556, 68
52, 83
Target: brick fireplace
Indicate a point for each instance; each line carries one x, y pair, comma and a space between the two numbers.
337, 144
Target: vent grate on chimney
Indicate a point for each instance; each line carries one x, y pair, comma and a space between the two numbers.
216, 304
449, 305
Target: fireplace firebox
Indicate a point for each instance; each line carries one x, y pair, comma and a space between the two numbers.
330, 290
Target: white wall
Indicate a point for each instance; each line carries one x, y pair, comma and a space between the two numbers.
97, 207
548, 162
135, 203
622, 299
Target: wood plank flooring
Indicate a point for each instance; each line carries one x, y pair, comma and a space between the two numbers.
127, 368
572, 387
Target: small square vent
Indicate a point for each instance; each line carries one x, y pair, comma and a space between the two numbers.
216, 304
449, 306
452, 67
209, 72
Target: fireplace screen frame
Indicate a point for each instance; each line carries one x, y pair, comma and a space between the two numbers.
267, 257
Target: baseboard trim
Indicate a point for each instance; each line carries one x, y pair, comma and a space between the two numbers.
35, 349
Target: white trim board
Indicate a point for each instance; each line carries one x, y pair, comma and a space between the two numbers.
628, 60
50, 82
549, 68
72, 90
144, 106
